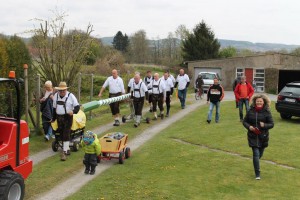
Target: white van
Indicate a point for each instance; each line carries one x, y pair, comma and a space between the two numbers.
208, 79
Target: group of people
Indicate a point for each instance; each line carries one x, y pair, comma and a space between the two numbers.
155, 89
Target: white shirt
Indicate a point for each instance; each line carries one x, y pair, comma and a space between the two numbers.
172, 78
148, 80
115, 85
71, 102
182, 81
130, 82
168, 83
157, 87
139, 89
47, 94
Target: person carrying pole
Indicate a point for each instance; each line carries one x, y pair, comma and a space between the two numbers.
138, 93
116, 88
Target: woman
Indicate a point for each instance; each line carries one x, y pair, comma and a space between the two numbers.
47, 109
258, 121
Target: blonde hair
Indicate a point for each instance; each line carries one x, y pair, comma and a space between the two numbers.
267, 101
48, 84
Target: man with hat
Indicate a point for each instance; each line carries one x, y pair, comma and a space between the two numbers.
65, 105
116, 88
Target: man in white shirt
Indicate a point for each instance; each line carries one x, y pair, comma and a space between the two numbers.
138, 93
130, 82
116, 88
65, 105
183, 82
169, 90
147, 81
171, 77
158, 90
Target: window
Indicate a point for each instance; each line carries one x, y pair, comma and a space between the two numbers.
259, 80
240, 72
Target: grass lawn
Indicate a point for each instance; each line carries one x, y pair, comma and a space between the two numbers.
48, 169
167, 169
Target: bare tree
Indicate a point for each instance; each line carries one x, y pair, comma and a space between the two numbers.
139, 47
60, 53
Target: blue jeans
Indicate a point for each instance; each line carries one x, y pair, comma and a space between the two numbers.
241, 106
211, 107
257, 154
182, 97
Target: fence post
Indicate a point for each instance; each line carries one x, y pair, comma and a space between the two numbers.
37, 100
25, 66
92, 92
79, 87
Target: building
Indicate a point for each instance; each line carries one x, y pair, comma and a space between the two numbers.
270, 71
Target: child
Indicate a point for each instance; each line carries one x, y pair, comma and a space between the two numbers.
92, 149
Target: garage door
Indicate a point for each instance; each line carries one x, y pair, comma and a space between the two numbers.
205, 69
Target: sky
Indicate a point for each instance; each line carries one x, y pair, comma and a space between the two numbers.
268, 21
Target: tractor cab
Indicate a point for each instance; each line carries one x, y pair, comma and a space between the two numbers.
15, 165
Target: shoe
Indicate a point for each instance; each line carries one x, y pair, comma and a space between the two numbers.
92, 172
162, 116
257, 178
68, 152
53, 136
208, 121
46, 138
154, 118
86, 171
217, 121
167, 115
136, 124
117, 123
182, 107
63, 156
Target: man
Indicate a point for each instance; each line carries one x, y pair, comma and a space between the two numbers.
199, 85
158, 91
169, 91
147, 80
183, 82
215, 95
138, 92
243, 93
130, 82
65, 105
116, 88
235, 82
171, 77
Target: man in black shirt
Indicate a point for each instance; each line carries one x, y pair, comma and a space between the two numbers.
215, 95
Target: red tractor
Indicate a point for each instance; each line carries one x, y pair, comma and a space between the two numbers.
15, 165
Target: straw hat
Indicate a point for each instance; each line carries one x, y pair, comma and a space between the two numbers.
62, 86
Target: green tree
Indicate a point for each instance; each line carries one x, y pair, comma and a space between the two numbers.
4, 59
227, 52
94, 52
296, 52
121, 42
201, 44
139, 48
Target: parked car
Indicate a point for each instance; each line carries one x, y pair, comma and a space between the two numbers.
208, 79
288, 101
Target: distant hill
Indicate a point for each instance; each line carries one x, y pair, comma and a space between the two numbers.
257, 47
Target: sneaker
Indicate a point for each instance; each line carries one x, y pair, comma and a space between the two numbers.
167, 115
217, 121
208, 121
136, 124
46, 138
117, 123
86, 171
162, 116
257, 178
53, 136
182, 107
92, 172
63, 156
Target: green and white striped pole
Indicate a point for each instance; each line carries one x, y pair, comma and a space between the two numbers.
95, 104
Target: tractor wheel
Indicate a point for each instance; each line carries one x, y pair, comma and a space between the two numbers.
127, 152
124, 119
55, 146
75, 146
12, 185
148, 120
121, 157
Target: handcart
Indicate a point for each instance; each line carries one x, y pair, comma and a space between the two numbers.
114, 146
132, 116
77, 131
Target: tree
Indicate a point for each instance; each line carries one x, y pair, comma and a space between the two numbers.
227, 52
121, 42
60, 54
4, 59
296, 52
139, 47
201, 44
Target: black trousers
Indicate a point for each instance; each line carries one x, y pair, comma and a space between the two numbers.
158, 99
90, 161
64, 123
115, 107
168, 101
138, 104
150, 98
